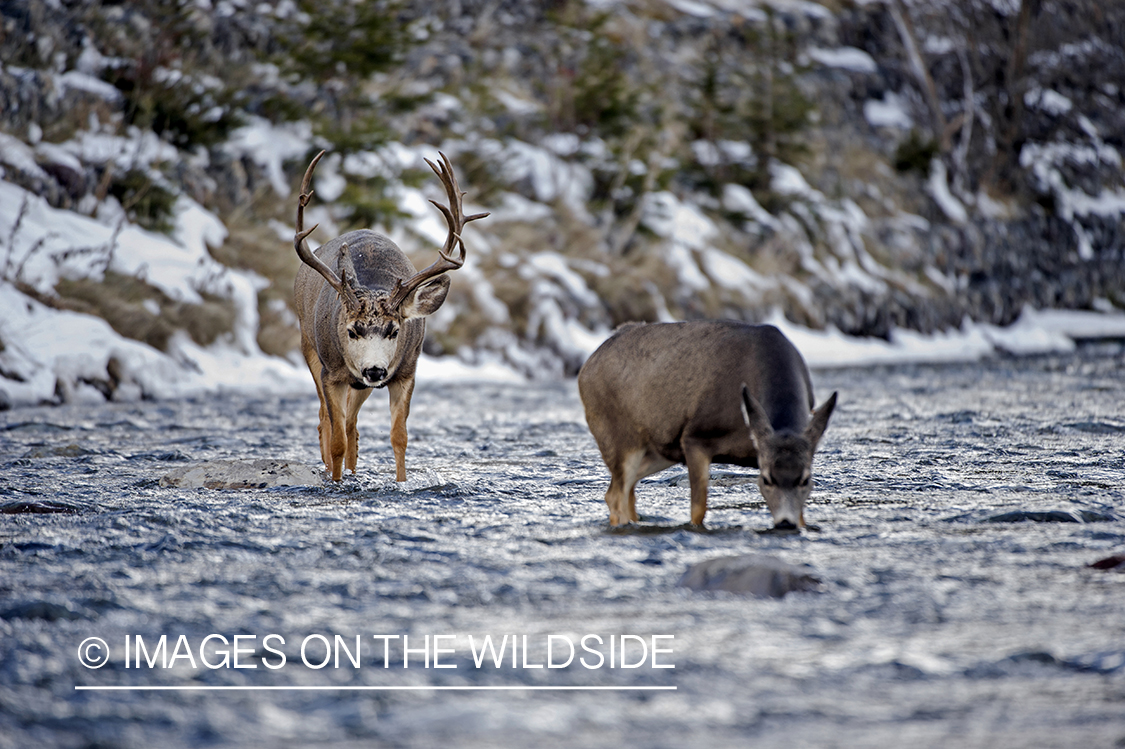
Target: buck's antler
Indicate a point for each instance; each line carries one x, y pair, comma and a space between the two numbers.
303, 250
456, 220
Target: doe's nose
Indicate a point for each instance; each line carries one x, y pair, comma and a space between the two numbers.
374, 374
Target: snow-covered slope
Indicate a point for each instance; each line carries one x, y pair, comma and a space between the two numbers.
854, 225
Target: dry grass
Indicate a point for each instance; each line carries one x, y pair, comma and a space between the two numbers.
253, 245
126, 303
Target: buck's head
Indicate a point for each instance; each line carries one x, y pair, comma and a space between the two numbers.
371, 320
785, 460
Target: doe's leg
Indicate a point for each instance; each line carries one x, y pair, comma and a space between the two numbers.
631, 508
648, 464
699, 475
615, 498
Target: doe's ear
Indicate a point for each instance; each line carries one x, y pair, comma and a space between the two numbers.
426, 299
815, 430
755, 417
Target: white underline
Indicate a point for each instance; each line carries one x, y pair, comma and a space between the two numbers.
366, 689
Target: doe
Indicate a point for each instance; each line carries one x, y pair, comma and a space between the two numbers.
703, 392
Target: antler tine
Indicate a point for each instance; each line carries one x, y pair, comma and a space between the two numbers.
453, 194
305, 196
451, 222
307, 180
299, 244
455, 219
454, 214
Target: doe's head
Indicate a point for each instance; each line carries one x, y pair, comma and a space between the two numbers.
785, 460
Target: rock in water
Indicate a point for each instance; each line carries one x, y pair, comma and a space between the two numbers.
242, 474
56, 451
750, 574
1115, 562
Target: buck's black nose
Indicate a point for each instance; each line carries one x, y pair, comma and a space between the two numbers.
374, 374
785, 525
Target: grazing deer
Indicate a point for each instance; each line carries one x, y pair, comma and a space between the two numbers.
362, 309
703, 392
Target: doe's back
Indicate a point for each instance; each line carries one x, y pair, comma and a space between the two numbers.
652, 385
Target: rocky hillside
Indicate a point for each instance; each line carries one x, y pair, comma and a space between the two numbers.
864, 165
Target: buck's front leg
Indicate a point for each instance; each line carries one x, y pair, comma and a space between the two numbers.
400, 393
355, 399
336, 440
323, 430
324, 433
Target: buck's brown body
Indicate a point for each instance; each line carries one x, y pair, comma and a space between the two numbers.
378, 264
661, 394
362, 307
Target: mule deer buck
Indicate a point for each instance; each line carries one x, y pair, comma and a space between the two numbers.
362, 308
703, 392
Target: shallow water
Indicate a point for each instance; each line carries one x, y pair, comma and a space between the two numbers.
936, 624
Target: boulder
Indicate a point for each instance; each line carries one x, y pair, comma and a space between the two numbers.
261, 473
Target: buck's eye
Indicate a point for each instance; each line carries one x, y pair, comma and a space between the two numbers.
352, 334
767, 480
392, 332
805, 481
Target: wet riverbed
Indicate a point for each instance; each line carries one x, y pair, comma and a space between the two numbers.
939, 620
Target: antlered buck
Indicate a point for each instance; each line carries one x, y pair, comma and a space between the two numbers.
362, 308
698, 393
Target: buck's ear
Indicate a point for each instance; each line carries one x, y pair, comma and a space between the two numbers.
346, 272
426, 299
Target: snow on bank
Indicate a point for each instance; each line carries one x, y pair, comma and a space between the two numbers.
890, 111
844, 58
48, 351
1035, 332
40, 244
1048, 161
451, 369
269, 146
52, 355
